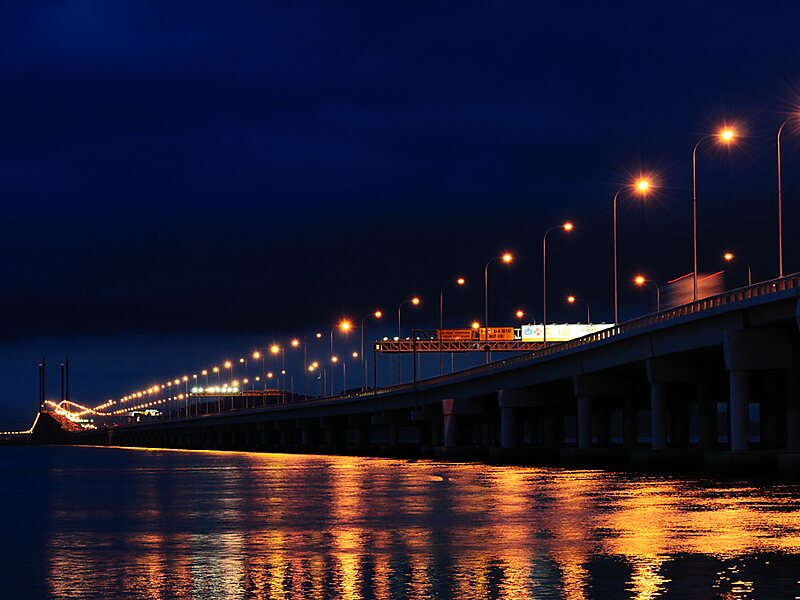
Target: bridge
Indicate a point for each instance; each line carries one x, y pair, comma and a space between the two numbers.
715, 382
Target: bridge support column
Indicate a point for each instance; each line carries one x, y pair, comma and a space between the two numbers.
707, 413
449, 423
510, 422
740, 410
658, 414
436, 433
751, 350
553, 428
793, 409
584, 422
603, 426
663, 374
630, 433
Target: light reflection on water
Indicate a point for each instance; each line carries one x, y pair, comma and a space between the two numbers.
162, 524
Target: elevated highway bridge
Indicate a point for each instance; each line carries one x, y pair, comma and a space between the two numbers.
714, 382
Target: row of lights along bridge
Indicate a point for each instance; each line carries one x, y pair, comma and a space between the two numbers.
642, 186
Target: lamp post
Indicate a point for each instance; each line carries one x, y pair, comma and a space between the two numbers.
640, 280
377, 314
726, 136
414, 302
229, 365
780, 198
295, 343
506, 258
730, 257
344, 326
460, 282
566, 227
642, 185
275, 349
572, 300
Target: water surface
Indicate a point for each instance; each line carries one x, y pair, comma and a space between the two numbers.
124, 523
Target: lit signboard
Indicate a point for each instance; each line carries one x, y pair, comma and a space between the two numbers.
559, 332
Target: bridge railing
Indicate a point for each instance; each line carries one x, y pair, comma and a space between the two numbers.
634, 326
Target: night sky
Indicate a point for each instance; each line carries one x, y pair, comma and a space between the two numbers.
185, 181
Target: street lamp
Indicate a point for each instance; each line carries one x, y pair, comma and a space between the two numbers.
780, 198
229, 365
506, 258
725, 136
640, 280
572, 300
414, 302
344, 326
567, 227
377, 314
459, 282
275, 349
730, 257
519, 314
641, 186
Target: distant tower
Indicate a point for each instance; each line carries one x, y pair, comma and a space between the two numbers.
66, 389
41, 385
63, 397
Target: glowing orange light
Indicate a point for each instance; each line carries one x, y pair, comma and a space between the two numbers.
275, 349
571, 299
215, 370
295, 343
355, 354
378, 314
345, 325
334, 359
727, 135
256, 354
415, 301
461, 281
475, 325
640, 280
507, 257
520, 314
241, 360
568, 226
228, 364
318, 335
728, 256
643, 185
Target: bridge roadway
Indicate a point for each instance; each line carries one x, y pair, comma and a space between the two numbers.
714, 383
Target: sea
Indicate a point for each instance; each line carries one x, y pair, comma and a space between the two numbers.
107, 523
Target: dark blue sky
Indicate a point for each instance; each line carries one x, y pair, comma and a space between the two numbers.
260, 170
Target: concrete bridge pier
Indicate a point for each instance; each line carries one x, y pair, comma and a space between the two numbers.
664, 374
707, 395
594, 393
630, 428
748, 350
793, 408
510, 401
449, 426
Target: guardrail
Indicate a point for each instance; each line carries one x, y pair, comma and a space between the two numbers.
634, 326
628, 328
